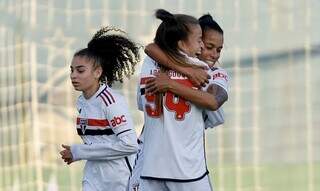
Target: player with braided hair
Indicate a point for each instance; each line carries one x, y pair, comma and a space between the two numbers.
103, 122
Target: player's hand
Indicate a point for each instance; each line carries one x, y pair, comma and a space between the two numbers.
66, 154
198, 76
160, 83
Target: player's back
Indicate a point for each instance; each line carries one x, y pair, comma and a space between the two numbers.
173, 134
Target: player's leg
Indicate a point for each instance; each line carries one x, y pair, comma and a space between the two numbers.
152, 185
199, 185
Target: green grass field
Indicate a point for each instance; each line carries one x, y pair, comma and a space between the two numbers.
272, 177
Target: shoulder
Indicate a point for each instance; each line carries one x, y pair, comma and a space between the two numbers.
149, 67
80, 103
80, 100
218, 69
107, 97
148, 61
218, 72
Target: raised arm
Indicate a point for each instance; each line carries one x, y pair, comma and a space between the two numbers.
197, 75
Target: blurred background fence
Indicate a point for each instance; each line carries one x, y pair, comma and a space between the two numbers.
270, 140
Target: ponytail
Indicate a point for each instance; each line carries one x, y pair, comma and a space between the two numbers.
115, 53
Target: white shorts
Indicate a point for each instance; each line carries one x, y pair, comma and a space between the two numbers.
158, 185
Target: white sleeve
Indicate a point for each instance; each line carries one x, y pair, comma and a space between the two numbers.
219, 77
147, 67
213, 118
123, 145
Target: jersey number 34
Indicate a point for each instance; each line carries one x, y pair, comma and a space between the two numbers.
172, 102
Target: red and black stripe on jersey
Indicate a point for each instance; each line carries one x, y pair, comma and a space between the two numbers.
106, 96
93, 127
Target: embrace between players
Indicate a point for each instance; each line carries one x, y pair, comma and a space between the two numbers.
181, 90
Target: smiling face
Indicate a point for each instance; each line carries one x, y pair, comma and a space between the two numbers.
84, 75
193, 44
213, 44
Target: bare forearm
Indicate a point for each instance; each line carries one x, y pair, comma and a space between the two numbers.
220, 95
196, 74
197, 97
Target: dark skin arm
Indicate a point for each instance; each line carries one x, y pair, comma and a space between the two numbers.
212, 99
197, 75
219, 94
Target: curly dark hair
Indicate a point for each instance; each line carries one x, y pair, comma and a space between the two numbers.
116, 54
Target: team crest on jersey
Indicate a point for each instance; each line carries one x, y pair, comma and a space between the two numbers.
83, 125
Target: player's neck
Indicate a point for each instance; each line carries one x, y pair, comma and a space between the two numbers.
91, 91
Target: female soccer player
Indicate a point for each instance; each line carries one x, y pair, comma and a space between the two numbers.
103, 123
174, 128
218, 87
212, 36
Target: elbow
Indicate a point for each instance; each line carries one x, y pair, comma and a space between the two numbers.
212, 105
147, 49
221, 121
130, 143
133, 146
217, 103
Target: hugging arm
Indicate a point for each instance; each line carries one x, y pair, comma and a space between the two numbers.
162, 83
196, 74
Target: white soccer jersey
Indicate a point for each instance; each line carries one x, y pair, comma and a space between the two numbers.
211, 118
219, 77
173, 135
110, 141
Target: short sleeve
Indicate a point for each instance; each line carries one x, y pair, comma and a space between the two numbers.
219, 77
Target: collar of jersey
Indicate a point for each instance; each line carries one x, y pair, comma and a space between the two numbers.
101, 88
194, 60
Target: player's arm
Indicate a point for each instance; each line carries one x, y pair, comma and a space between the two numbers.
218, 85
125, 143
219, 93
215, 118
162, 83
124, 146
197, 75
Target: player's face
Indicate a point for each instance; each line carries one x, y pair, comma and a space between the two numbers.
193, 44
84, 76
213, 44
